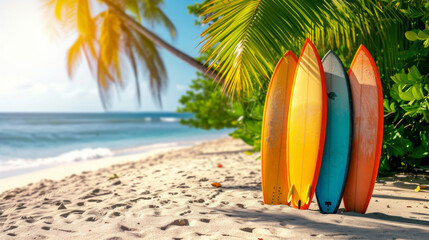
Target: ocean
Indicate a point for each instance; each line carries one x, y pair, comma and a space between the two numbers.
31, 141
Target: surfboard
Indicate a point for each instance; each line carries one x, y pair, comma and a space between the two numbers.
273, 145
367, 131
338, 138
306, 127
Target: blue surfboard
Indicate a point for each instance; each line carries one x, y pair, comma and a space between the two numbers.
338, 139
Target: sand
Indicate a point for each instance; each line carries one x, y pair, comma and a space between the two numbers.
169, 195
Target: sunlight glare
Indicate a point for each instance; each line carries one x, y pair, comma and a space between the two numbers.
25, 43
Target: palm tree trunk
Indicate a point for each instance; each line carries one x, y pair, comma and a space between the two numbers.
158, 41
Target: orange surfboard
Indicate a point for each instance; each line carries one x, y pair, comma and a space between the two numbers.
273, 145
367, 131
306, 127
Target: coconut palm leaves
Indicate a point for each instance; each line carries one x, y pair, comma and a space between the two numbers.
249, 36
110, 46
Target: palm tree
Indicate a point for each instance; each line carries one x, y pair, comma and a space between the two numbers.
247, 37
106, 38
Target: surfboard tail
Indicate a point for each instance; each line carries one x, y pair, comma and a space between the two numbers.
290, 194
308, 194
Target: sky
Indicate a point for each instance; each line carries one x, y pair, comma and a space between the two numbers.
33, 75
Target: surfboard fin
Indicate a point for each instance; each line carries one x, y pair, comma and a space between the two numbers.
289, 195
307, 197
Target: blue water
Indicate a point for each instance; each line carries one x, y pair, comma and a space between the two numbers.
31, 140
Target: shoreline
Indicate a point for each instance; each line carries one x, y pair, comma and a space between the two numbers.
169, 195
132, 152
61, 171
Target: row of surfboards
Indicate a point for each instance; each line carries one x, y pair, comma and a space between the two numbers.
322, 131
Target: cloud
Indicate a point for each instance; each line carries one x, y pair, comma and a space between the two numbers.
181, 87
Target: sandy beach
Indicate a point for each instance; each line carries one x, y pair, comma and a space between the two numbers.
169, 195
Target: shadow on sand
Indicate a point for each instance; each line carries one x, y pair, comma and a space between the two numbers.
334, 225
400, 198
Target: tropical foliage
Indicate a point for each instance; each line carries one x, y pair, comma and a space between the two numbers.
113, 41
213, 110
104, 39
249, 36
259, 32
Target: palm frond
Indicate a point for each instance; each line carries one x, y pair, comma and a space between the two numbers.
249, 36
105, 40
109, 44
147, 53
73, 56
247, 33
150, 10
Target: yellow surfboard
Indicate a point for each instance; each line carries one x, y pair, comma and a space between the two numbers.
273, 145
306, 127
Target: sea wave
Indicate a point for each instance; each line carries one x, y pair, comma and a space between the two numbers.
68, 157
169, 119
101, 121
145, 148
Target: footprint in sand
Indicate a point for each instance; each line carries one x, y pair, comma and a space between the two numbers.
20, 206
28, 219
184, 213
65, 215
91, 219
96, 193
120, 205
10, 228
126, 229
114, 214
240, 205
47, 220
250, 230
114, 238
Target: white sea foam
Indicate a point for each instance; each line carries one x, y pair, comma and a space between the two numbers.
169, 119
73, 156
150, 147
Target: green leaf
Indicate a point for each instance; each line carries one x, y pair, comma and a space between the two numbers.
402, 78
419, 152
412, 36
394, 92
386, 105
237, 109
411, 109
406, 95
426, 43
392, 107
258, 112
426, 115
423, 35
424, 138
417, 91
414, 75
396, 145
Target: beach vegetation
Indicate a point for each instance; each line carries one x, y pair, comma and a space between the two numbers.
245, 39
114, 176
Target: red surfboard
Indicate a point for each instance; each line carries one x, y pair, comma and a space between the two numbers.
367, 131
